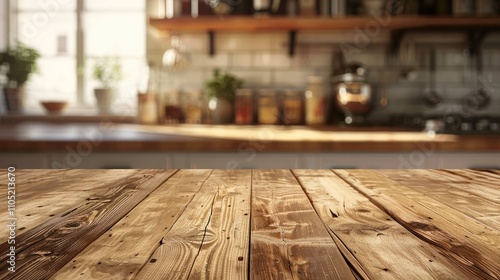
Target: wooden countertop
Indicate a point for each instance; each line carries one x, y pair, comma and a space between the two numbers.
252, 224
43, 137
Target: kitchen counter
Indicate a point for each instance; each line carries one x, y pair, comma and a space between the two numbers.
252, 224
40, 137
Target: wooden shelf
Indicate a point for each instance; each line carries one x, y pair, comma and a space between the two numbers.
296, 23
477, 27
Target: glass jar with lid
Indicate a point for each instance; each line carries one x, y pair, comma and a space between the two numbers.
244, 106
172, 111
147, 108
315, 101
293, 107
192, 106
268, 107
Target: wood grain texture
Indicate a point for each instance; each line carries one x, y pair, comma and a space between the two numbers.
45, 249
256, 224
486, 189
225, 250
38, 198
474, 206
131, 241
210, 238
289, 241
374, 243
242, 23
26, 178
464, 241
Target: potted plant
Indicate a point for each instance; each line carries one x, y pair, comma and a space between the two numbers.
221, 90
17, 64
108, 72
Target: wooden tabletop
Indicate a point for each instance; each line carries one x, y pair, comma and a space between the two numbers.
251, 224
42, 137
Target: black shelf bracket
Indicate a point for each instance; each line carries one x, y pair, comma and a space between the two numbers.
292, 42
476, 38
396, 37
211, 43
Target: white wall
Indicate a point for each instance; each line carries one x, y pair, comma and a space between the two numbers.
3, 24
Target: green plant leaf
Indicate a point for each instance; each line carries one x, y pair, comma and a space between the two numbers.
223, 85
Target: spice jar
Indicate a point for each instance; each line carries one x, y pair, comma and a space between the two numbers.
244, 106
315, 101
293, 107
268, 107
172, 110
191, 106
147, 110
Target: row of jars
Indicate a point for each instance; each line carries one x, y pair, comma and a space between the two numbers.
259, 106
289, 107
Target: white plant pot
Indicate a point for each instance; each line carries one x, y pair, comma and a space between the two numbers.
105, 98
14, 98
222, 110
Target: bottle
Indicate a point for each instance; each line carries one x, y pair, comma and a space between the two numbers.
338, 8
173, 8
463, 7
261, 7
315, 101
307, 8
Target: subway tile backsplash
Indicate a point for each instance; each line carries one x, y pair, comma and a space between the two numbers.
262, 61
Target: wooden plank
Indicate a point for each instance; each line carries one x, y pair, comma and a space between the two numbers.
227, 255
45, 249
469, 204
25, 178
380, 247
464, 241
128, 245
289, 241
489, 179
210, 238
242, 23
465, 176
483, 174
33, 209
486, 190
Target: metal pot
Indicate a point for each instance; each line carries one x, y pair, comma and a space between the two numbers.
353, 94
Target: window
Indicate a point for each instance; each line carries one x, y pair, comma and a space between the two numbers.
115, 28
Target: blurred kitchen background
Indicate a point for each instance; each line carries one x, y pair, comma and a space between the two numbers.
412, 76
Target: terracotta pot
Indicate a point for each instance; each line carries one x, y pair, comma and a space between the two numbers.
54, 107
222, 110
104, 97
14, 99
